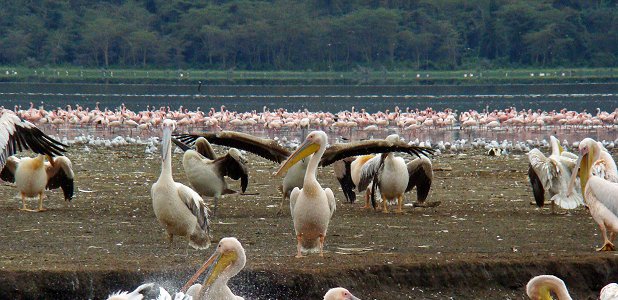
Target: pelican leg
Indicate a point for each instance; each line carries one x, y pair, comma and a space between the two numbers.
280, 212
367, 199
41, 203
322, 237
608, 245
214, 212
385, 203
23, 203
299, 240
399, 204
170, 239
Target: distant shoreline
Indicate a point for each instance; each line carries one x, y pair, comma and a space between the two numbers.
366, 76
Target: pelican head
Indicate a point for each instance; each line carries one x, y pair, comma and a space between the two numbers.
339, 294
541, 287
588, 151
393, 138
167, 126
554, 142
227, 261
236, 154
315, 141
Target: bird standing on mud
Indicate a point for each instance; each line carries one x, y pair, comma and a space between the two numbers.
552, 174
177, 207
33, 175
227, 261
206, 172
598, 177
311, 206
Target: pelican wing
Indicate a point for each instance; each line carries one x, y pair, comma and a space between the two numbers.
8, 172
603, 191
560, 185
265, 148
293, 197
340, 151
17, 135
420, 176
203, 147
60, 175
537, 187
135, 295
609, 292
332, 204
343, 173
195, 204
232, 166
544, 168
369, 171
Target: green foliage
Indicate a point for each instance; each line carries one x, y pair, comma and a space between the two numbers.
323, 35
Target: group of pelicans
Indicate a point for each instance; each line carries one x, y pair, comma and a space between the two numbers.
182, 211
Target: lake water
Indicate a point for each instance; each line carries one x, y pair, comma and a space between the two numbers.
332, 98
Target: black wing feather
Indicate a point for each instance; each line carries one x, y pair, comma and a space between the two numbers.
537, 187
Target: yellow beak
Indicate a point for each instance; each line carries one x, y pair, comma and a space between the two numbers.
216, 264
305, 149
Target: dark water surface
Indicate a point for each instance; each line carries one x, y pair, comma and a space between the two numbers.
334, 98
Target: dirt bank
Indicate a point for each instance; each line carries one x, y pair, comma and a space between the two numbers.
484, 240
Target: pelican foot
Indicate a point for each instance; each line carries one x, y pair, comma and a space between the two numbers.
399, 211
299, 256
607, 247
385, 211
27, 209
41, 209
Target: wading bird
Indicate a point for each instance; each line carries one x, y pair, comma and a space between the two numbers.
394, 177
33, 175
206, 172
552, 174
597, 177
134, 295
339, 294
17, 135
271, 150
177, 207
227, 261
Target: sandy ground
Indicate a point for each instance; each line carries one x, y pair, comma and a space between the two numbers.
484, 240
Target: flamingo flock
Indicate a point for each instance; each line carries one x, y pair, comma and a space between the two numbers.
412, 120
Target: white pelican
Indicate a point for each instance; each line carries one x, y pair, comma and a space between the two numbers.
609, 292
541, 287
177, 207
227, 261
311, 206
205, 171
339, 293
597, 177
552, 174
134, 295
33, 175
17, 134
394, 177
271, 150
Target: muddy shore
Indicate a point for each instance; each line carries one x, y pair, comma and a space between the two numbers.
484, 240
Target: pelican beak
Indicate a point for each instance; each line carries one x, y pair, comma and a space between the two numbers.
584, 163
216, 264
165, 142
352, 297
560, 149
305, 149
50, 159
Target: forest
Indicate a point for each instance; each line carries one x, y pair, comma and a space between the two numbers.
317, 35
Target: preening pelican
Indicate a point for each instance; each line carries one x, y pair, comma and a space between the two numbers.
17, 135
597, 177
33, 175
134, 295
394, 177
178, 208
227, 261
339, 293
165, 295
541, 287
271, 150
206, 172
552, 174
343, 170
